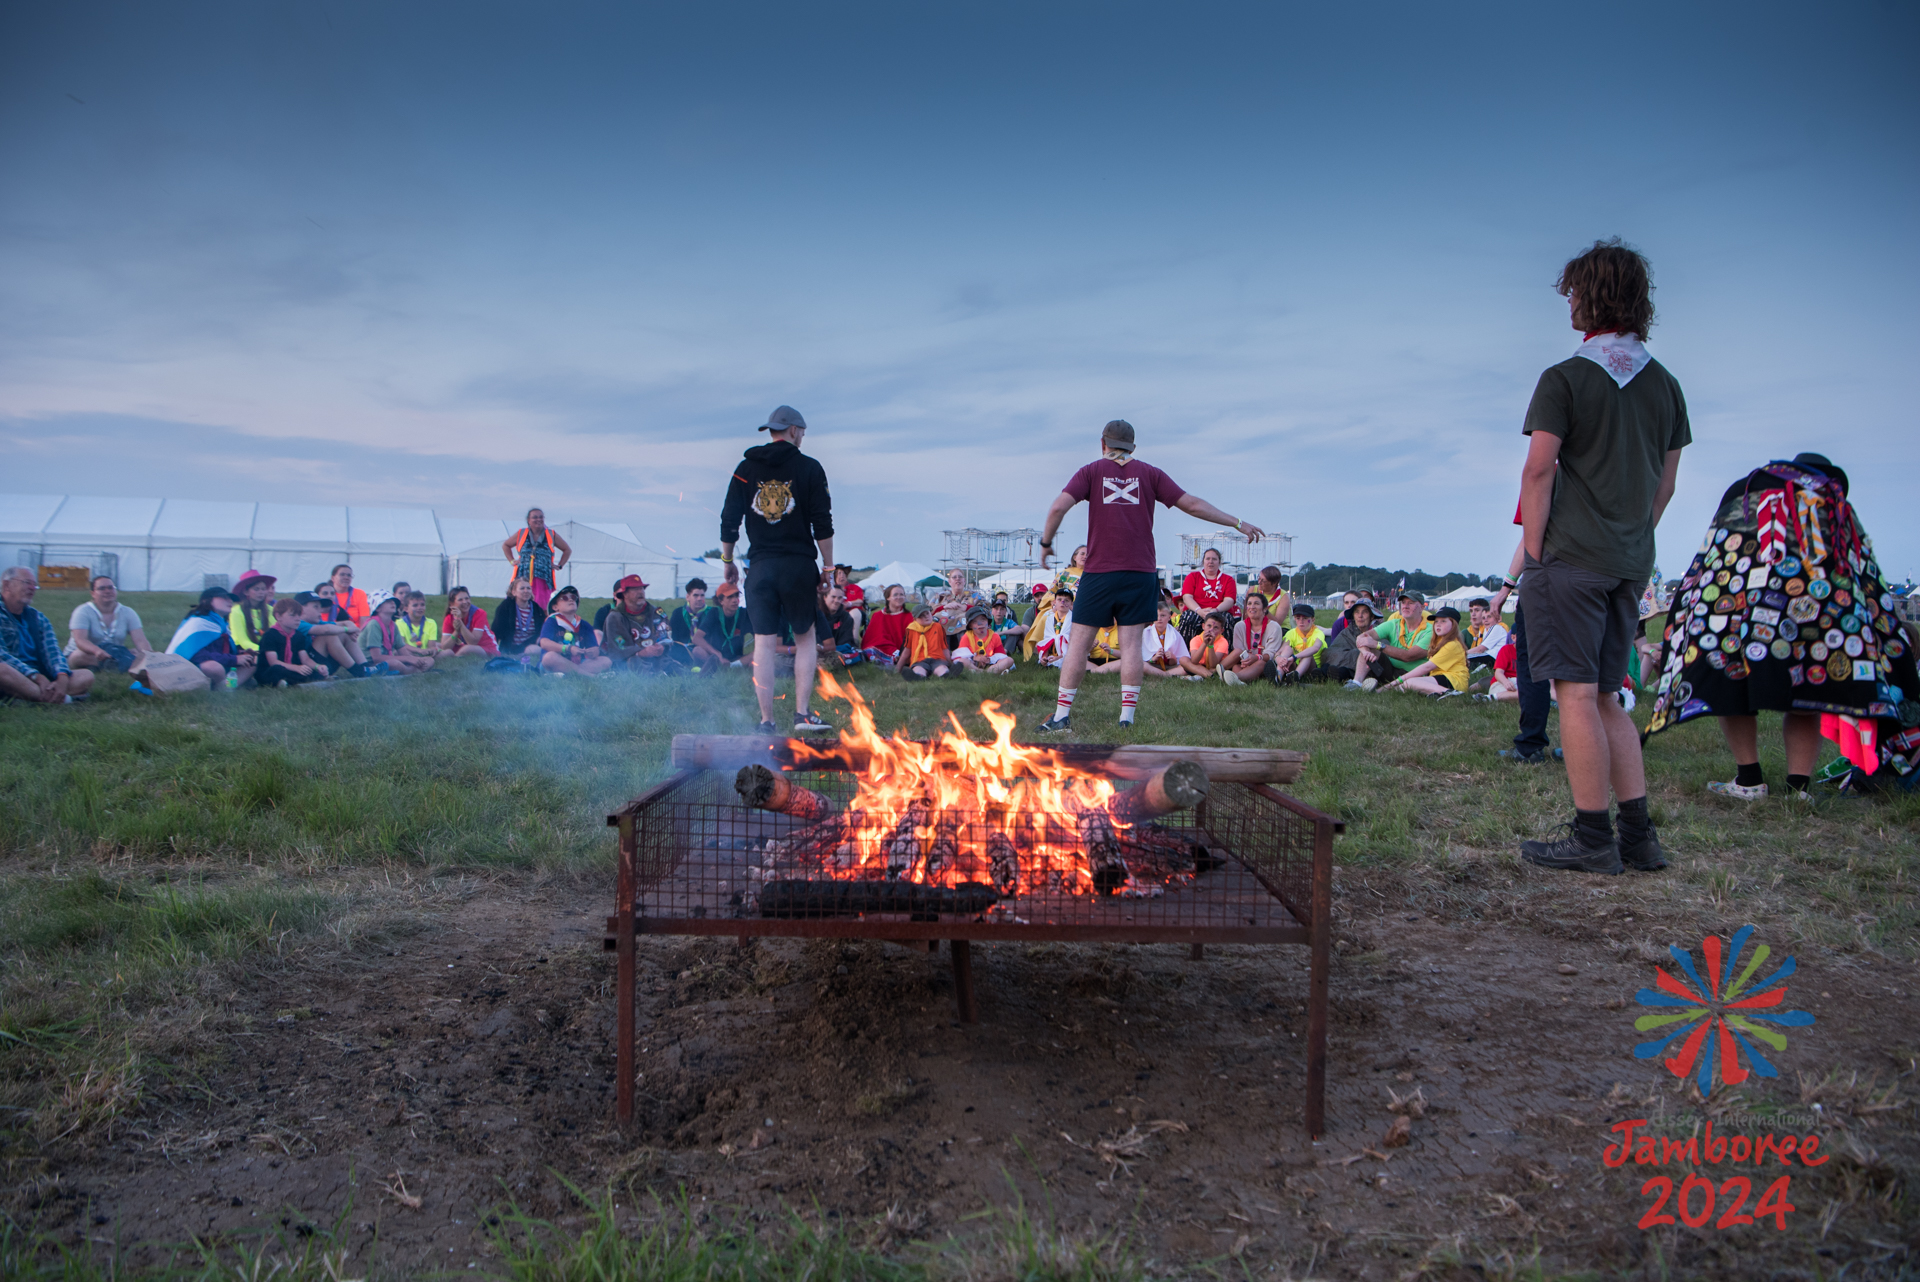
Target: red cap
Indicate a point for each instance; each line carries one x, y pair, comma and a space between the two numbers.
631, 581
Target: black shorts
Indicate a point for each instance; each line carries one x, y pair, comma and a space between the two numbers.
1579, 622
782, 590
1130, 598
1446, 682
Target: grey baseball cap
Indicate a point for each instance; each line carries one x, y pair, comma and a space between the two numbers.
781, 419
1118, 434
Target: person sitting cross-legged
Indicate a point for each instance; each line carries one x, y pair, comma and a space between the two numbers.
887, 627
1305, 644
1354, 649
567, 642
336, 645
981, 649
839, 628
925, 652
1257, 644
1444, 671
1104, 654
1007, 625
690, 645
286, 652
464, 630
1405, 635
31, 665
1504, 686
1053, 630
419, 635
635, 635
1161, 645
517, 621
1207, 654
1347, 600
104, 633
202, 639
1485, 635
387, 654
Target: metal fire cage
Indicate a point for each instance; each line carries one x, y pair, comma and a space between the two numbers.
1248, 864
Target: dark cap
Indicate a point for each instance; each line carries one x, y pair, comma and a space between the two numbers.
1302, 608
308, 598
1118, 435
209, 594
1408, 594
1447, 612
781, 419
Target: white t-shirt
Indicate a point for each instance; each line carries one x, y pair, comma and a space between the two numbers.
1490, 644
87, 622
1162, 651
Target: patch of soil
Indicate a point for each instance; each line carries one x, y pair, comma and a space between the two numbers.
474, 1066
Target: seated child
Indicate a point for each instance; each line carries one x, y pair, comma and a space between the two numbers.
286, 659
981, 648
1209, 650
925, 652
1105, 654
1307, 642
1054, 629
1161, 645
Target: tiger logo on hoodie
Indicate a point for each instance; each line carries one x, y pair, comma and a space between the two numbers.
773, 500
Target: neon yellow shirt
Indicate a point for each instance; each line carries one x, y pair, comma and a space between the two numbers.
1300, 642
422, 635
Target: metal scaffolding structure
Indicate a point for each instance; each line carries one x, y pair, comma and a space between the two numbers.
1239, 553
981, 552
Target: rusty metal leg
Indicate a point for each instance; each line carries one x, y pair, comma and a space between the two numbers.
1322, 950
1199, 952
963, 981
626, 990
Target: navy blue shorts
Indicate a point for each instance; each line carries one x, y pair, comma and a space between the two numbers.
1130, 598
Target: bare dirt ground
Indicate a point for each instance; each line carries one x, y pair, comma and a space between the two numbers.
1124, 1090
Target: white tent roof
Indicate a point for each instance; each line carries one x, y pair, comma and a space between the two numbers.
393, 529
23, 516
1460, 596
458, 533
905, 573
101, 520
203, 523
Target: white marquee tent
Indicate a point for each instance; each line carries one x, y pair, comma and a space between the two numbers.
184, 545
905, 573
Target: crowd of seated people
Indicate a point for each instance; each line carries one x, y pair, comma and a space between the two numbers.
1209, 627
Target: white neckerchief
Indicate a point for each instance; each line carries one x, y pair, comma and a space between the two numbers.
1621, 355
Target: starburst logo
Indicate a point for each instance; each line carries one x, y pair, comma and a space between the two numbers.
1716, 1018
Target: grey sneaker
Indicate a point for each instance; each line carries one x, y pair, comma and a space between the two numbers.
1057, 725
810, 723
767, 727
1353, 685
1568, 851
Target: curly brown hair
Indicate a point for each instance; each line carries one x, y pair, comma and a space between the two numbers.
1614, 288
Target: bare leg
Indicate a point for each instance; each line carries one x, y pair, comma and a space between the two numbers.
215, 674
19, 687
1423, 685
1074, 665
1743, 739
806, 662
1133, 662
1602, 745
1802, 733
79, 682
765, 671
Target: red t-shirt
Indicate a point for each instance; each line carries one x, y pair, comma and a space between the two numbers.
854, 593
982, 649
1210, 596
887, 632
1507, 662
1120, 499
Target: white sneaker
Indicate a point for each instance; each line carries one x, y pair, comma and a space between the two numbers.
1231, 678
1370, 684
1739, 792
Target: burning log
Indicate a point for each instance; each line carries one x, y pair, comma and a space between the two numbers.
901, 848
1003, 861
765, 789
1127, 761
832, 898
1178, 785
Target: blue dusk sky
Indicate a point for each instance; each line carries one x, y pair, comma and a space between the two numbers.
474, 256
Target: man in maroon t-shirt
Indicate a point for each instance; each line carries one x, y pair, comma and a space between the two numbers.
1121, 583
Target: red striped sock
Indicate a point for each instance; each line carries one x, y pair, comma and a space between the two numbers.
1129, 700
1063, 705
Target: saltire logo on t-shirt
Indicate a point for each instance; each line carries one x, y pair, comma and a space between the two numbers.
1117, 490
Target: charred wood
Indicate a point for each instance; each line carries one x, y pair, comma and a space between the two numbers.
766, 789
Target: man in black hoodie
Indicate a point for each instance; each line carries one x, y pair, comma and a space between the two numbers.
782, 496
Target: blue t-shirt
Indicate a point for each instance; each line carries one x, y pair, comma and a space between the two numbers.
580, 634
29, 642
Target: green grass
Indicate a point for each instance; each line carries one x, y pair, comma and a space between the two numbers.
148, 845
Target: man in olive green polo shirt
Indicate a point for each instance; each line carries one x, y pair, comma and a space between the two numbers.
1404, 638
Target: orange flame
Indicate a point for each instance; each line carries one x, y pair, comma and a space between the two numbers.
951, 810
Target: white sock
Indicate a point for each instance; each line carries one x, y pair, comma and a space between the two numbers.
1129, 700
1063, 704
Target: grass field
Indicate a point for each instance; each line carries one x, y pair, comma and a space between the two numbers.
152, 847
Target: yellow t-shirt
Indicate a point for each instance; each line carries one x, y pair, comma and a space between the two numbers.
1451, 663
1106, 644
1298, 641
421, 636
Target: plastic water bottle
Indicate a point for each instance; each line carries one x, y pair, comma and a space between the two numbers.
233, 680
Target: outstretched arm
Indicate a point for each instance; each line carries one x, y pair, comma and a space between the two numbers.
1193, 505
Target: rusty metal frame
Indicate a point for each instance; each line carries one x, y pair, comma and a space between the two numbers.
1312, 927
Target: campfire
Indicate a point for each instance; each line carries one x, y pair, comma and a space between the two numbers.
879, 836
985, 822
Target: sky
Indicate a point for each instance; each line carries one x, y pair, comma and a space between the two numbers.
480, 256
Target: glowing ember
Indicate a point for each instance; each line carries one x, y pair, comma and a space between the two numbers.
951, 811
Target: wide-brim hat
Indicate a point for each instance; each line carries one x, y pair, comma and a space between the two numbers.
251, 577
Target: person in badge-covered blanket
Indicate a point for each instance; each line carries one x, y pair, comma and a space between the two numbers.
1784, 609
1121, 584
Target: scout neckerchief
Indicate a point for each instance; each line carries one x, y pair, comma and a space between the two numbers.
1254, 638
726, 629
1214, 592
1161, 658
419, 631
1621, 355
389, 634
